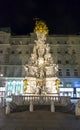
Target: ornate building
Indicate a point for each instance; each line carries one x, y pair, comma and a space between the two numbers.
15, 52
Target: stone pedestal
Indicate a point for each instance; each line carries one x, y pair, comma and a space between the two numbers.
31, 106
52, 106
50, 86
7, 108
77, 108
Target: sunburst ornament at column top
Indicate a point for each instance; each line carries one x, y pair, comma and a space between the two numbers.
41, 27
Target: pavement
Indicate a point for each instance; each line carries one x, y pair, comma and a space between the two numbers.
38, 120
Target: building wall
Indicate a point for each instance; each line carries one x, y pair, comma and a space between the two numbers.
15, 52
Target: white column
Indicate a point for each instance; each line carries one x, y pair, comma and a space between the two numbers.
52, 106
31, 106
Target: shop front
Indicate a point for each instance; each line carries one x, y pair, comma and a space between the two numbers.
14, 86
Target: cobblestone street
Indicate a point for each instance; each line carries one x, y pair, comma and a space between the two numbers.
38, 120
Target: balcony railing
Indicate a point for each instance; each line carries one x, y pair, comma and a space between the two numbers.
25, 100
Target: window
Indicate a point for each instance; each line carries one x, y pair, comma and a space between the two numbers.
12, 52
58, 42
27, 52
1, 59
75, 72
73, 52
58, 52
59, 61
67, 62
17, 71
29, 43
67, 72
68, 84
60, 72
65, 42
1, 42
61, 84
19, 52
1, 51
10, 71
66, 52
51, 51
20, 42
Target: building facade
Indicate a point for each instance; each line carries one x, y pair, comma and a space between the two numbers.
15, 52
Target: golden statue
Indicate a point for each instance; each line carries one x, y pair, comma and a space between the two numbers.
41, 27
57, 82
25, 85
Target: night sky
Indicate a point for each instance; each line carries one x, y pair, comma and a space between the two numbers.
61, 16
